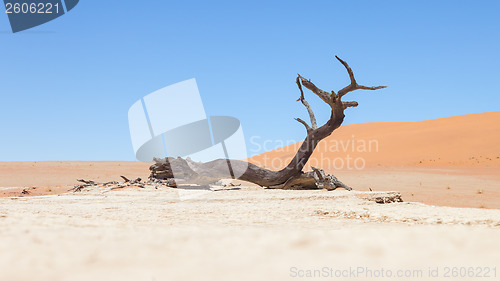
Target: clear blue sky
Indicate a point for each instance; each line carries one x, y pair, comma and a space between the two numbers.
66, 86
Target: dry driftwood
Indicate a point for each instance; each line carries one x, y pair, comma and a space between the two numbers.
383, 197
110, 185
290, 177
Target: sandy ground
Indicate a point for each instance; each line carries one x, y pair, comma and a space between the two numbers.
476, 187
243, 233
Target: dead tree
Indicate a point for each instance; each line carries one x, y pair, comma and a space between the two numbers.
290, 177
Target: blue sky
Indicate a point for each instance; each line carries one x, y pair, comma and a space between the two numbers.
66, 86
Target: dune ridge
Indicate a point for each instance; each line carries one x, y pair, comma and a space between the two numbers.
458, 141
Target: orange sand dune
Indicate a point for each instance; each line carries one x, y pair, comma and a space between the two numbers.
460, 141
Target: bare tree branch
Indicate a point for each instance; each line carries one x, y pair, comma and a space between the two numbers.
305, 124
308, 107
347, 104
354, 85
370, 88
324, 95
349, 70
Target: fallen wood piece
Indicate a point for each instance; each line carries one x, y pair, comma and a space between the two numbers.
382, 197
111, 185
125, 179
86, 181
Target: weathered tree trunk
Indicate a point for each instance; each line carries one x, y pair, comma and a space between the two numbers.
290, 177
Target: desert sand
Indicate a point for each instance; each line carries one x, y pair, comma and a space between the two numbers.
243, 233
460, 141
447, 171
475, 187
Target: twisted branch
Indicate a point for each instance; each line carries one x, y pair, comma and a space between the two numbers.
354, 85
324, 95
308, 107
309, 129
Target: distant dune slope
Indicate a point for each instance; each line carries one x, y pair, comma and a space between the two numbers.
467, 140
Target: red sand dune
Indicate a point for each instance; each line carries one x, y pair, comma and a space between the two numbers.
459, 141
